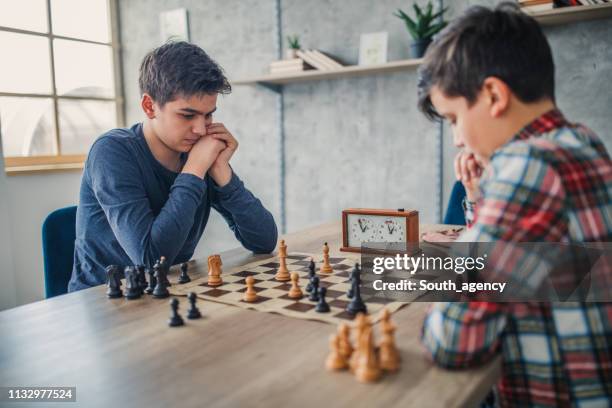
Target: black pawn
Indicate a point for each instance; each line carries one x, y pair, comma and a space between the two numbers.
311, 274
184, 278
314, 289
114, 282
152, 281
132, 284
193, 313
175, 318
322, 306
161, 288
142, 277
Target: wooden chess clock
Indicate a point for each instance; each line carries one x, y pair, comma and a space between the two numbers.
362, 225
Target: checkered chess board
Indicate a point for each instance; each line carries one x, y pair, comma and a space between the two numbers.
273, 295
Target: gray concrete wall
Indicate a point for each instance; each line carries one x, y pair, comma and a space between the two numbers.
349, 142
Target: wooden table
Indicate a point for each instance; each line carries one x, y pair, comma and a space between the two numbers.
121, 353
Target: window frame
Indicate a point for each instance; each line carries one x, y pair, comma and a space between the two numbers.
59, 161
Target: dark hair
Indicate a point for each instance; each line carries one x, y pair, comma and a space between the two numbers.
504, 43
180, 69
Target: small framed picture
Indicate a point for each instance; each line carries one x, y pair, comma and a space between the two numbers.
174, 25
373, 48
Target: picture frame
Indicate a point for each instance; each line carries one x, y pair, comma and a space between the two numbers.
174, 25
373, 48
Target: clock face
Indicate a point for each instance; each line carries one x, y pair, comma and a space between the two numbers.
375, 228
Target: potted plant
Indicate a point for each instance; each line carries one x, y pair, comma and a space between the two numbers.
294, 46
422, 28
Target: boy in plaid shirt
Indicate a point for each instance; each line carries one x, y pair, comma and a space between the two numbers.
530, 176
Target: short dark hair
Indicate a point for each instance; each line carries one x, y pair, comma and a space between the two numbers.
504, 43
180, 69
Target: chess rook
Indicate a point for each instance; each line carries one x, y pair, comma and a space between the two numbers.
113, 290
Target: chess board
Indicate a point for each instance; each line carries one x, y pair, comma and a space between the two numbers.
273, 295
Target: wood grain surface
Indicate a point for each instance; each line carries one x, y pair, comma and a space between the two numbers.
121, 353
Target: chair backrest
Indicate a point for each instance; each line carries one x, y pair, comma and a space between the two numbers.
58, 235
454, 211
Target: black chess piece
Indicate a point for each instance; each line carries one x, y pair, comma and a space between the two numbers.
184, 278
356, 305
163, 264
311, 274
132, 283
114, 282
322, 306
152, 281
349, 292
194, 312
175, 318
314, 289
161, 288
142, 278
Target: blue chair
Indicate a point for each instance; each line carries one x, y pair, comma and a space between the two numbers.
454, 211
58, 236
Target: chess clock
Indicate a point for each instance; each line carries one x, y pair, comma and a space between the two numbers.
362, 225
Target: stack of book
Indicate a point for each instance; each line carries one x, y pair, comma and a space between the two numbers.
536, 5
288, 66
307, 59
319, 60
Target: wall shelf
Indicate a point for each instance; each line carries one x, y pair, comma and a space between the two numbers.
572, 14
314, 74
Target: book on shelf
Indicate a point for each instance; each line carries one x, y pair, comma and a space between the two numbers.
536, 5
319, 60
291, 65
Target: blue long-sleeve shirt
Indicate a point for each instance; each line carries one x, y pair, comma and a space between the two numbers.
132, 210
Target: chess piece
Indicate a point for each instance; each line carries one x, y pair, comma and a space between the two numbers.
326, 268
311, 274
295, 292
175, 318
164, 265
152, 281
314, 292
282, 275
142, 278
214, 271
322, 306
367, 369
132, 283
194, 312
161, 287
356, 305
282, 249
184, 278
388, 353
114, 282
345, 346
250, 295
335, 360
362, 322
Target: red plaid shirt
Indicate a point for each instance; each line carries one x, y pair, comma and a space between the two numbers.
552, 182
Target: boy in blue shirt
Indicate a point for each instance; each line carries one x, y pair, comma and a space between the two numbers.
147, 191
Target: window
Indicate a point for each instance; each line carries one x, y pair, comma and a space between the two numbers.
59, 80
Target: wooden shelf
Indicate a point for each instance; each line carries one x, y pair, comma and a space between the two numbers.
572, 14
314, 75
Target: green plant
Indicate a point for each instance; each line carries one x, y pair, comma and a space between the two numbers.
423, 27
294, 42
